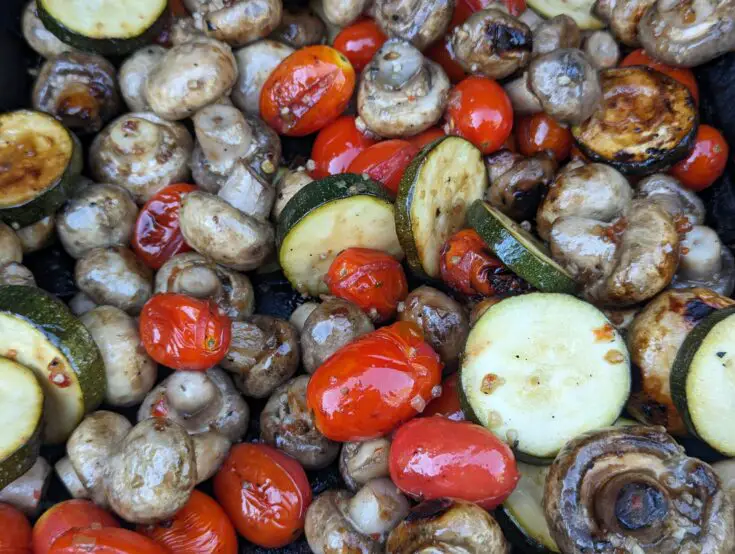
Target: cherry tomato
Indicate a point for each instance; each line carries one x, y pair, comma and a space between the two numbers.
426, 137
375, 383
439, 53
480, 111
385, 162
15, 536
200, 526
467, 265
433, 457
447, 405
105, 540
539, 132
265, 492
576, 155
369, 278
706, 162
684, 76
182, 332
157, 236
359, 42
70, 514
336, 146
307, 90
465, 8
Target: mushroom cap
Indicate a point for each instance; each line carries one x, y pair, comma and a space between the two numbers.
301, 28
623, 16
420, 22
343, 12
560, 31
134, 73
669, 193
255, 62
238, 22
359, 462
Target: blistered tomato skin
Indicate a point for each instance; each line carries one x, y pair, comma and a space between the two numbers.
64, 516
308, 90
434, 457
369, 387
336, 146
385, 162
359, 42
447, 404
105, 540
706, 162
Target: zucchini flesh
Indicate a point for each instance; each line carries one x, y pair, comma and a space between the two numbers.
525, 255
436, 190
21, 411
540, 369
579, 10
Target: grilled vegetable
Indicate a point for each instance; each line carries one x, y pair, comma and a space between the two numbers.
579, 10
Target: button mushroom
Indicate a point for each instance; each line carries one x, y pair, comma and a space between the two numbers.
68, 476
287, 185
633, 489
342, 13
705, 262
602, 49
623, 16
264, 353
419, 22
255, 63
38, 37
681, 203
184, 29
97, 217
491, 43
360, 462
445, 525
10, 247
37, 235
299, 315
80, 304
329, 327
134, 73
114, 276
79, 89
236, 22
524, 101
28, 490
14, 273
210, 450
300, 28
558, 32
142, 153
192, 274
401, 93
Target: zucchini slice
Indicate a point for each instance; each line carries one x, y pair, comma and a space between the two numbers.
328, 216
39, 332
108, 27
647, 121
703, 381
523, 253
21, 416
540, 369
579, 10
40, 163
444, 179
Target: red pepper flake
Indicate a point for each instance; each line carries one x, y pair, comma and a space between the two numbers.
159, 408
490, 383
606, 333
57, 375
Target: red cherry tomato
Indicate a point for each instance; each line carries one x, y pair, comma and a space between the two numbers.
182, 332
426, 137
265, 492
706, 162
684, 76
480, 111
465, 8
359, 42
15, 536
375, 383
447, 405
307, 90
336, 146
539, 132
439, 53
105, 540
433, 457
576, 155
369, 278
200, 526
70, 514
385, 162
157, 236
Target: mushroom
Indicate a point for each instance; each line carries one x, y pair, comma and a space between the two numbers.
479, 309
654, 339
191, 273
287, 423
130, 372
443, 321
342, 13
255, 63
360, 462
300, 28
80, 304
287, 185
336, 521
446, 525
299, 316
190, 76
688, 33
38, 37
555, 33
114, 276
725, 470
151, 474
401, 93
264, 353
37, 235
14, 273
523, 100
134, 74
10, 247
97, 217
518, 183
236, 22
491, 43
622, 318
329, 327
78, 89
602, 49
223, 233
681, 203
27, 491
419, 22
705, 262
633, 489
184, 29
142, 153
68, 476
210, 450
89, 449
623, 16
566, 84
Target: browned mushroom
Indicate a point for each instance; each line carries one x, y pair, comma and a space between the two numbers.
299, 28
360, 462
420, 22
236, 22
555, 33
623, 16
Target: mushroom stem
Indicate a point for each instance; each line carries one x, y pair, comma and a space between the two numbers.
223, 134
26, 492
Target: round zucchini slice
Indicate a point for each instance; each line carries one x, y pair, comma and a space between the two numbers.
647, 121
21, 416
579, 10
39, 332
40, 163
328, 216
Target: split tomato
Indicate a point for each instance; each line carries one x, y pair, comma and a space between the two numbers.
70, 514
15, 536
539, 133
105, 540
359, 42
182, 332
385, 162
447, 404
706, 162
336, 146
373, 384
684, 76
